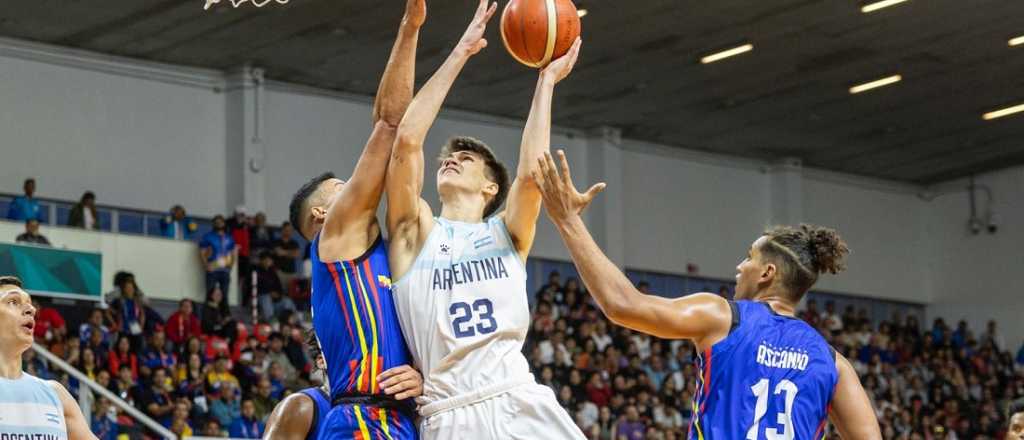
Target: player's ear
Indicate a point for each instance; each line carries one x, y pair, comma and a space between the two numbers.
491, 189
769, 272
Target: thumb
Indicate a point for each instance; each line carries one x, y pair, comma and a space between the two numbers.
594, 191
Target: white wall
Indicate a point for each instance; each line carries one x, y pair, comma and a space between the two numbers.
134, 142
979, 277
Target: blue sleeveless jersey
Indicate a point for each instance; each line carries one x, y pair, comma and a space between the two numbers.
355, 320
322, 403
772, 378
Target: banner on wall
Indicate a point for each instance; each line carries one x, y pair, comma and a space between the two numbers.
53, 272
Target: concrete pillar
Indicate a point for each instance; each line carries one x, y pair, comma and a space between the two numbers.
605, 216
787, 203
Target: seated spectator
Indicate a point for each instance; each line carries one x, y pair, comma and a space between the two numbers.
191, 376
94, 323
286, 254
122, 356
155, 398
630, 426
183, 324
268, 286
246, 425
224, 402
126, 312
32, 235
277, 355
157, 355
216, 318
260, 237
49, 322
262, 400
177, 225
96, 341
217, 250
179, 420
212, 428
220, 374
124, 384
83, 214
102, 424
25, 207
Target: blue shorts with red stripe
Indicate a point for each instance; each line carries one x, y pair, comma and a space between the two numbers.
362, 422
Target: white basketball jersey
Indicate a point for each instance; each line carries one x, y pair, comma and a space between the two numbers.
30, 409
464, 310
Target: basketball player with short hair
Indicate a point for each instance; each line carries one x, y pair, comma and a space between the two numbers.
764, 374
30, 408
461, 289
353, 311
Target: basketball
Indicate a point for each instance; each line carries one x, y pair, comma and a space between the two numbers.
535, 32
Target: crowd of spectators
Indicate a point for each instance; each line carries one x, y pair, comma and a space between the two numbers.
925, 383
200, 371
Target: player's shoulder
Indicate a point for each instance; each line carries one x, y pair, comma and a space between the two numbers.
293, 414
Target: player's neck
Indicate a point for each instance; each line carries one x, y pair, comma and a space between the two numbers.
10, 365
779, 302
462, 208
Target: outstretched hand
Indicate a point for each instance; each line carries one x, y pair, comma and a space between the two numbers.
473, 40
558, 69
415, 12
561, 199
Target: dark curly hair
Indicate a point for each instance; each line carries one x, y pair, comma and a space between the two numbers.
496, 171
804, 252
300, 201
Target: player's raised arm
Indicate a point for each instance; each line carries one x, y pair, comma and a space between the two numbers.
851, 413
698, 317
524, 197
405, 172
362, 192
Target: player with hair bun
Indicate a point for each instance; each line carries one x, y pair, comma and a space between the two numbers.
764, 374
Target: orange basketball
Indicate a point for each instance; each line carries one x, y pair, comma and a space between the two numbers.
536, 32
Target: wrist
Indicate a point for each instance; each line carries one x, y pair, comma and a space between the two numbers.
546, 79
569, 224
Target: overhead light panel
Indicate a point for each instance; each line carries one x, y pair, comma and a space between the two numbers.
996, 114
875, 84
874, 6
1017, 41
718, 56
581, 13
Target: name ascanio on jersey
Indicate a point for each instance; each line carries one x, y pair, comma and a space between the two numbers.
464, 309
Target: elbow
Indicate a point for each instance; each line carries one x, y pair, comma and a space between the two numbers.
405, 141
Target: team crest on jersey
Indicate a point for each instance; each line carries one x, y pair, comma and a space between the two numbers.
384, 281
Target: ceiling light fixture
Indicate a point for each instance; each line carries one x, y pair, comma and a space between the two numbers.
581, 13
995, 114
874, 6
1017, 41
875, 84
718, 56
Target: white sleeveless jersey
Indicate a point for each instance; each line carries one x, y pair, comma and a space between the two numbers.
31, 410
464, 310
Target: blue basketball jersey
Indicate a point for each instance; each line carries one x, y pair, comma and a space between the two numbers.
355, 320
771, 378
322, 403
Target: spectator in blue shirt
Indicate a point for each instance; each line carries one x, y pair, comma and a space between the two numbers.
157, 355
103, 426
25, 207
177, 225
217, 249
246, 425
